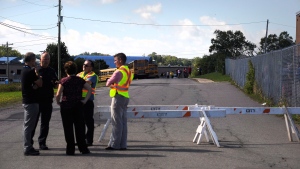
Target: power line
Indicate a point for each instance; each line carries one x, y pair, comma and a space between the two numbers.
36, 4
31, 12
282, 25
27, 32
24, 23
32, 45
17, 5
26, 28
149, 24
33, 40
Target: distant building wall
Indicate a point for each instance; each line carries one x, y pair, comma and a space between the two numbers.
14, 71
298, 27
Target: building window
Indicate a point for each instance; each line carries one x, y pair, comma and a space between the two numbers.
3, 71
18, 71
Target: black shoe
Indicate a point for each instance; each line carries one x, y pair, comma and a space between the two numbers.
86, 152
110, 148
70, 154
89, 144
32, 152
123, 148
43, 147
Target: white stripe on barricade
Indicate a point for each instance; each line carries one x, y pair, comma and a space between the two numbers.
203, 112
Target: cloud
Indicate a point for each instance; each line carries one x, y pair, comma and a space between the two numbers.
108, 1
147, 12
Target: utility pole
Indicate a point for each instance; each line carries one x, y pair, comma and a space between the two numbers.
266, 36
7, 62
58, 44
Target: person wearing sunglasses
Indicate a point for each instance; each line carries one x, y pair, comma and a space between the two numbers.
91, 78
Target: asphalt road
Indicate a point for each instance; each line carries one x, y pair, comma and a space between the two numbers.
247, 141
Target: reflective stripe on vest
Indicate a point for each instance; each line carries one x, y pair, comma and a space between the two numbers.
122, 87
84, 91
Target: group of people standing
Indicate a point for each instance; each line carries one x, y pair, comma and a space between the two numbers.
75, 97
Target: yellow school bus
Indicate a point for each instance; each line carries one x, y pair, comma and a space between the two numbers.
105, 74
153, 70
139, 68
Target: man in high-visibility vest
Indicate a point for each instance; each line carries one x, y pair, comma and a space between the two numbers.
119, 84
88, 109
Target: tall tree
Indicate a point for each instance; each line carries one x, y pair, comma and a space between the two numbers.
52, 49
285, 40
231, 44
275, 42
9, 52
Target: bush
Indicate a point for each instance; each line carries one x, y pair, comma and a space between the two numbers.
11, 87
250, 79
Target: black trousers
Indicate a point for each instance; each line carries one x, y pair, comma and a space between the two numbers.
73, 118
88, 112
45, 112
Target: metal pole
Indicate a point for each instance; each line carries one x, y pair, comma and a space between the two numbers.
266, 36
58, 44
7, 68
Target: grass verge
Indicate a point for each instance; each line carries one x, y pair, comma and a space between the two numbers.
12, 94
216, 77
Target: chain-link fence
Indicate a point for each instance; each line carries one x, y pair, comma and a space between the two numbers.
277, 74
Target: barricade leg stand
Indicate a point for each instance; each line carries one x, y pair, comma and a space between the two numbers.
290, 126
212, 133
204, 125
104, 130
200, 131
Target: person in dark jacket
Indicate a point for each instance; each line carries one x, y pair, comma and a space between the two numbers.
45, 98
30, 83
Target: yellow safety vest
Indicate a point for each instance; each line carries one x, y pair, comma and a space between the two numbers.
122, 87
81, 74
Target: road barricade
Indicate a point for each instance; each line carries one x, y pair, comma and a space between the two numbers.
203, 112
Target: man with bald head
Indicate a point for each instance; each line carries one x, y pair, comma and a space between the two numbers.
45, 98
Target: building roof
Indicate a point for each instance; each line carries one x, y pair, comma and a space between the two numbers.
110, 59
4, 59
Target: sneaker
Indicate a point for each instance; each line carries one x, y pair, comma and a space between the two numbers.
43, 147
32, 152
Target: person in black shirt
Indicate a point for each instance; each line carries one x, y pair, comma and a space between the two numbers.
69, 98
45, 98
30, 83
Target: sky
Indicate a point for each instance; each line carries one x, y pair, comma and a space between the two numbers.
181, 28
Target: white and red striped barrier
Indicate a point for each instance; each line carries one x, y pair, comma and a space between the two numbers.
199, 111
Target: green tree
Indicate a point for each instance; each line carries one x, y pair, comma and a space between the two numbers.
271, 44
231, 44
99, 54
52, 49
285, 40
275, 42
9, 52
98, 65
